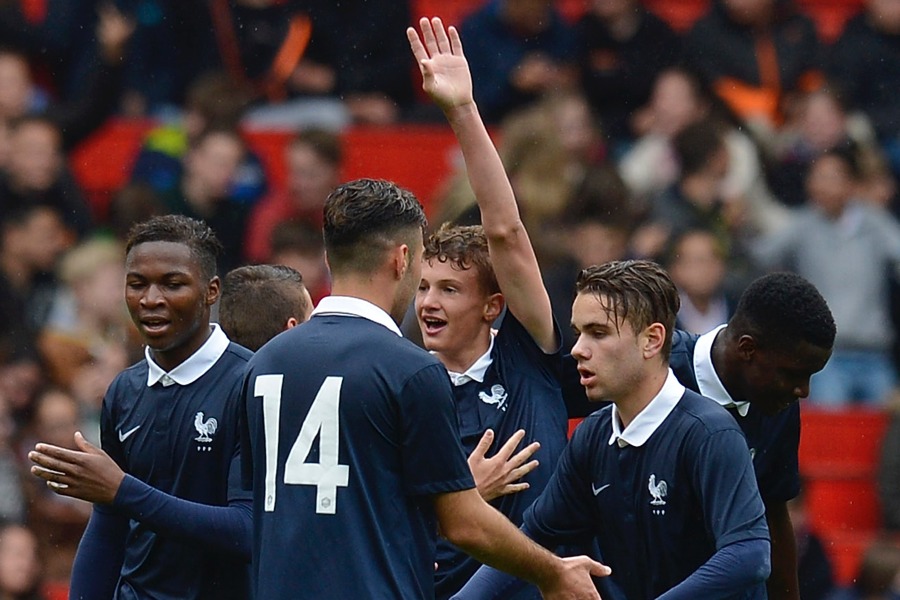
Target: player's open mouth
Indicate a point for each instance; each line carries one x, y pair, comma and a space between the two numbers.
433, 325
154, 325
586, 376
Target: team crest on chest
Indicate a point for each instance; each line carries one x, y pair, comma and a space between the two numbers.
206, 428
497, 397
658, 493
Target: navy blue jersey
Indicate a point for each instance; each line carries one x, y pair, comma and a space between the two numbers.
659, 510
351, 431
774, 440
183, 440
520, 391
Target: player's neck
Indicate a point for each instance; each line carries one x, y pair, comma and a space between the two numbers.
639, 397
374, 290
459, 361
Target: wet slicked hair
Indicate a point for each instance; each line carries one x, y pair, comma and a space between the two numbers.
257, 301
363, 218
464, 247
782, 309
194, 234
639, 292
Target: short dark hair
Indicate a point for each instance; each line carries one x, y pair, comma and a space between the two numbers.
695, 145
782, 309
639, 292
324, 144
194, 234
257, 301
363, 218
464, 247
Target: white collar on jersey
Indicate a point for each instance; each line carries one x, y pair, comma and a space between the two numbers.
355, 307
195, 366
648, 420
707, 379
478, 369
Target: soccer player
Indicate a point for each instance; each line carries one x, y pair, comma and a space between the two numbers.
170, 518
260, 301
661, 478
503, 383
353, 446
757, 366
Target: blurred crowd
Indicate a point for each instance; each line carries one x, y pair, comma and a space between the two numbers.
743, 145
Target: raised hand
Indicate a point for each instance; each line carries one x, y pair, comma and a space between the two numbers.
499, 475
445, 72
87, 473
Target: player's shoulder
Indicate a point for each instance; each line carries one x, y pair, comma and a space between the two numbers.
135, 374
705, 414
683, 342
235, 353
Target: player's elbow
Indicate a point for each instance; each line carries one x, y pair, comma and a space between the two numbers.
464, 535
759, 561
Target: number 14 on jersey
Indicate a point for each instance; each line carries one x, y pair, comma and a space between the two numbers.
322, 420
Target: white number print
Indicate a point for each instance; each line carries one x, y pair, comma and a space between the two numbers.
323, 420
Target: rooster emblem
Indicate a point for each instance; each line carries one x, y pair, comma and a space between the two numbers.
205, 428
657, 490
497, 398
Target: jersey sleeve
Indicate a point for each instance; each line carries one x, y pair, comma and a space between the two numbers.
433, 458
782, 482
520, 346
723, 476
563, 513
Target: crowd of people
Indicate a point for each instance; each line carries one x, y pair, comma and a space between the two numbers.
742, 146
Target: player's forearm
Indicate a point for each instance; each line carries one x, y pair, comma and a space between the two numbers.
98, 561
783, 583
226, 528
733, 569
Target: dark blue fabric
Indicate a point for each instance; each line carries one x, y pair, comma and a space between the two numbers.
398, 442
528, 381
98, 561
165, 450
774, 440
742, 564
604, 492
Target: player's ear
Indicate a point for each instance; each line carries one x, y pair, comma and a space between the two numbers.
291, 323
401, 258
746, 347
493, 307
652, 340
213, 289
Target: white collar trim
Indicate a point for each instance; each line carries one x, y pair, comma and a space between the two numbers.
355, 307
478, 369
648, 420
195, 366
708, 380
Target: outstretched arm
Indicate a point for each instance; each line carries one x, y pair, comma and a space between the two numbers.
90, 474
447, 80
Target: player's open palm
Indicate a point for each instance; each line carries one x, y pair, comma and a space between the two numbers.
87, 473
445, 72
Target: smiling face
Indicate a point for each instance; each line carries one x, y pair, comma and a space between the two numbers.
169, 299
454, 312
610, 360
776, 378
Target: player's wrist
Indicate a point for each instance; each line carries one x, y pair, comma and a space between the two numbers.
461, 112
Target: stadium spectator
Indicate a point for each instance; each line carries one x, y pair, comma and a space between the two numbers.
131, 204
846, 248
21, 567
12, 498
755, 53
300, 246
314, 159
57, 521
518, 50
697, 263
260, 301
472, 276
624, 315
95, 88
214, 102
679, 99
878, 577
622, 48
865, 63
889, 469
814, 570
36, 173
204, 191
182, 530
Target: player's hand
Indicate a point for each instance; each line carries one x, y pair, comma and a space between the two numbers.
574, 580
500, 474
445, 72
87, 473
